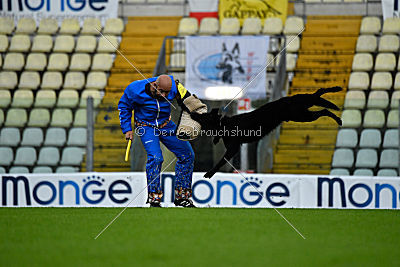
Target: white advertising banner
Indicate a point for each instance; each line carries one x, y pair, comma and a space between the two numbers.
390, 8
59, 9
219, 67
223, 190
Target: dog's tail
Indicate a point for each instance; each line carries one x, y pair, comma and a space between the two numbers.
322, 91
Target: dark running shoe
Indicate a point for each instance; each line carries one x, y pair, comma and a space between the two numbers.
186, 203
155, 205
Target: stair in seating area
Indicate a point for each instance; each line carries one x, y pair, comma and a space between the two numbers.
140, 45
324, 60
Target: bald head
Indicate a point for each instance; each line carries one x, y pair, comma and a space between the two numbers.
161, 87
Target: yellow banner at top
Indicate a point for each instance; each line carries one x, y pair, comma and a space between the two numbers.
243, 9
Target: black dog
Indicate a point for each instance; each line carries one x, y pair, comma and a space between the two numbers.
260, 122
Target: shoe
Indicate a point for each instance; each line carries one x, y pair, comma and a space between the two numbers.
155, 205
186, 203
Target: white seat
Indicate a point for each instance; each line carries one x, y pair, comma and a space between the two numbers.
370, 138
5, 99
354, 100
209, 26
343, 157
378, 99
74, 80
104, 45
179, 45
68, 99
251, 26
397, 81
80, 118
394, 102
29, 80
18, 169
292, 44
359, 81
42, 43
25, 156
393, 119
39, 117
6, 156
114, 26
95, 94
229, 26
45, 99
389, 158
77, 137
188, 26
49, 156
51, 80
10, 136
14, 61
86, 44
48, 26
22, 99
291, 61
64, 44
55, 137
391, 26
32, 137
387, 172
362, 62
6, 25
347, 138
20, 43
102, 62
26, 25
391, 139
293, 25
96, 80
374, 118
72, 156
80, 62
42, 169
8, 80
2, 170
351, 118
3, 43
70, 26
389, 43
339, 171
272, 26
366, 158
363, 172
1, 117
61, 117
370, 25
177, 61
91, 26
366, 44
381, 81
16, 117
36, 62
385, 62
58, 62
67, 169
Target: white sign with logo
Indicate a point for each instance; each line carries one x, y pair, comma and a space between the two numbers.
219, 67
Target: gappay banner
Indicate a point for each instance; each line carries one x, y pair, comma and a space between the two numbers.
222, 62
242, 9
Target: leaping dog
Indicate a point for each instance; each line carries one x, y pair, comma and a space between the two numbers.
265, 119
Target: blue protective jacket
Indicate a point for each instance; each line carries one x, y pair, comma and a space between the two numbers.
146, 108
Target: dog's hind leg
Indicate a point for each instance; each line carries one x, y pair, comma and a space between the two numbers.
230, 152
322, 91
317, 114
325, 104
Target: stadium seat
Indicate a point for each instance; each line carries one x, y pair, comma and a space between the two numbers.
77, 137
14, 61
74, 80
67, 169
1, 117
366, 44
3, 43
272, 26
45, 99
363, 172
95, 94
58, 62
291, 61
32, 137
55, 137
2, 170
104, 46
351, 118
387, 172
347, 138
91, 26
8, 80
72, 156
16, 117
22, 99
25, 156
36, 62
391, 26
343, 158
48, 156
64, 44
370, 138
396, 85
389, 43
378, 99
18, 169
48, 26
114, 26
229, 26
68, 99
177, 61
374, 118
6, 156
42, 43
391, 139
80, 62
70, 26
80, 118
389, 158
292, 44
188, 26
385, 62
61, 117
42, 169
293, 26
86, 44
179, 45
6, 25
339, 172
393, 119
26, 26
51, 80
29, 80
370, 25
5, 98
354, 100
209, 26
102, 62
96, 80
20, 43
10, 136
362, 62
251, 26
359, 81
39, 117
366, 158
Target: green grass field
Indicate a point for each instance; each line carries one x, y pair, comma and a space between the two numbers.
198, 237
